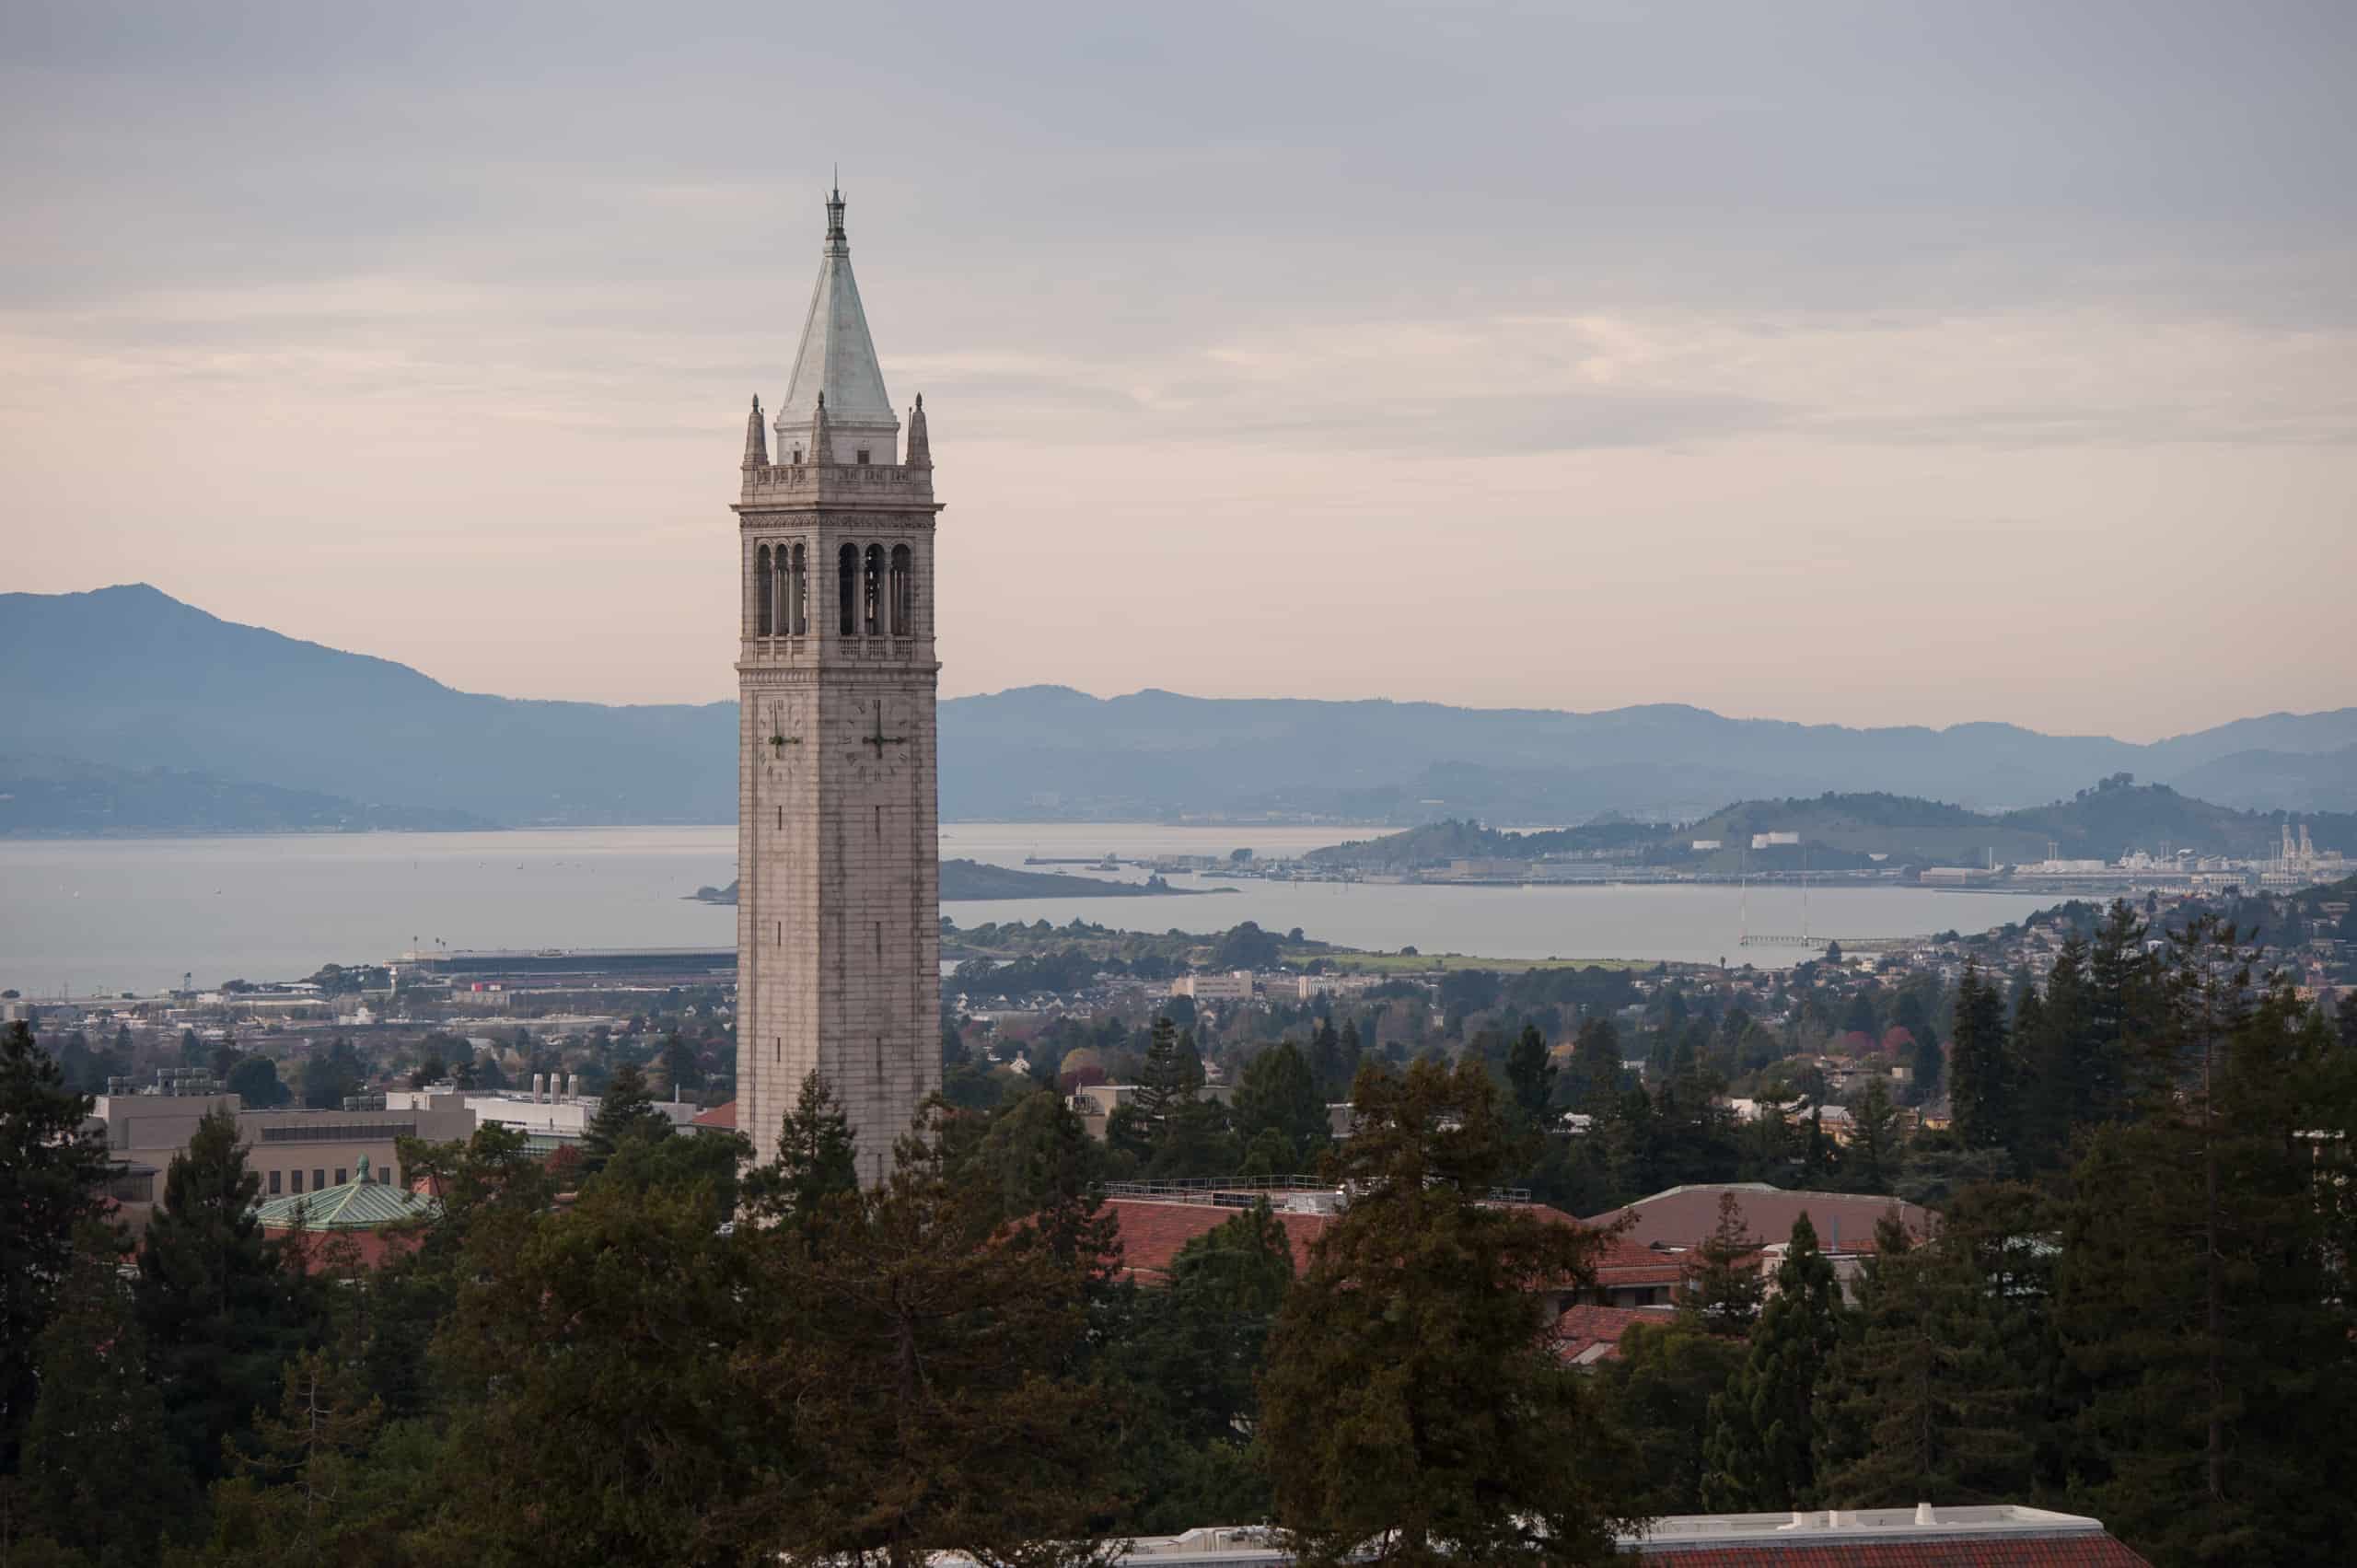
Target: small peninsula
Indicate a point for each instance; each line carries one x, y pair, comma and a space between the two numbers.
966, 881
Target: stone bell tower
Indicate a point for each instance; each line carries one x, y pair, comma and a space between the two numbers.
838, 896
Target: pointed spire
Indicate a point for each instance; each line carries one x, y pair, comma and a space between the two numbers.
757, 441
819, 432
837, 356
920, 443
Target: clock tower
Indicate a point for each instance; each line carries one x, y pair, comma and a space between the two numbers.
838, 892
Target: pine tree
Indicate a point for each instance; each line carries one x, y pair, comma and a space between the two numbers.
1531, 1074
1871, 1161
1980, 1064
2062, 1068
1921, 1400
1659, 1391
52, 1182
1276, 1093
816, 1160
301, 1494
1760, 1451
1594, 1080
1166, 1082
600, 1410
2202, 1293
929, 1362
1722, 1284
100, 1476
1413, 1394
2123, 999
1185, 1359
626, 1110
219, 1310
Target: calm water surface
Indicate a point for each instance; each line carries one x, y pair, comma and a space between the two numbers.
92, 916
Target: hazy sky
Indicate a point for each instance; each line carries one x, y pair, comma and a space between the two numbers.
1862, 363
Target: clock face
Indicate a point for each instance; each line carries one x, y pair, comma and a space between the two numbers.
786, 740
881, 751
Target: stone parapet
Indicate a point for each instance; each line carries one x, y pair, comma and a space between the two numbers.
836, 484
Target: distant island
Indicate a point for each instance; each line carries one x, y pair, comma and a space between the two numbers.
1861, 832
967, 881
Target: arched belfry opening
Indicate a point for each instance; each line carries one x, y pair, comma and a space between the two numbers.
904, 600
871, 593
847, 570
764, 586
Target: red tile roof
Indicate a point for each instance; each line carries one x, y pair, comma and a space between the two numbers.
1585, 1335
1153, 1229
1152, 1232
722, 1117
1626, 1262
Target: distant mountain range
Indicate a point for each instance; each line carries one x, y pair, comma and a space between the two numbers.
130, 679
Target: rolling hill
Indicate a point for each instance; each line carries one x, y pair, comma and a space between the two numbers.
129, 677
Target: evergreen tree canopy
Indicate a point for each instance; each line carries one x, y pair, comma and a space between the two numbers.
2203, 1295
1980, 1066
1758, 1454
928, 1362
1722, 1284
52, 1182
100, 1476
1413, 1403
219, 1310
1921, 1400
625, 1111
1277, 1094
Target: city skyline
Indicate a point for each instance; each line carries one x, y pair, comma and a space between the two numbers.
1502, 361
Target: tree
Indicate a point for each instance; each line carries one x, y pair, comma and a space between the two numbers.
1531, 1074
332, 1078
1594, 1080
2061, 1067
2203, 1291
1871, 1159
682, 1073
1414, 1407
817, 1158
1246, 946
1277, 1094
1186, 1360
1172, 1075
2123, 999
1759, 1453
98, 1475
1721, 1286
218, 1309
254, 1080
929, 1362
1921, 1398
432, 1069
300, 1495
625, 1111
597, 1352
1658, 1390
52, 1182
1981, 1064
